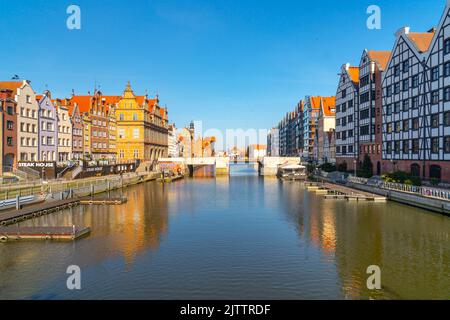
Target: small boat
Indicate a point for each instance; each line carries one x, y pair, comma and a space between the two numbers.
292, 173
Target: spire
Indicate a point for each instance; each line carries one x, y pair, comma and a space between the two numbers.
128, 93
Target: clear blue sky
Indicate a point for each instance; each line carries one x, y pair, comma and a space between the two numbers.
230, 63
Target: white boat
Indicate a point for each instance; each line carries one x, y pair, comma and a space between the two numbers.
292, 172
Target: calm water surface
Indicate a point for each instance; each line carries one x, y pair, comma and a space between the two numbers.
242, 237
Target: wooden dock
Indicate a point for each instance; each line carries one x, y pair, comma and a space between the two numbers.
340, 192
29, 212
42, 233
103, 201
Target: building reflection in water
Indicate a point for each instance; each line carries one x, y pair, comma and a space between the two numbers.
411, 246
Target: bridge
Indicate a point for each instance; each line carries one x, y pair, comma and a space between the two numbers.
214, 166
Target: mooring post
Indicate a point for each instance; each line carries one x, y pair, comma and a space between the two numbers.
18, 202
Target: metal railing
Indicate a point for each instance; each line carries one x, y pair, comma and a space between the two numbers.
429, 192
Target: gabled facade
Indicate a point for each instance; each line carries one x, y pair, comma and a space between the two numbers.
48, 128
64, 131
8, 131
407, 105
347, 99
371, 68
76, 120
27, 119
142, 129
326, 124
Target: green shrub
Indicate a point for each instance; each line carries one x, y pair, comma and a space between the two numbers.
402, 177
328, 167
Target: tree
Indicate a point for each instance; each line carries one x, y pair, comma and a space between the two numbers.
366, 170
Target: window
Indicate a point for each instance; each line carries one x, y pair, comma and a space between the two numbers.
397, 147
447, 69
9, 125
350, 119
389, 147
447, 46
405, 105
405, 66
435, 97
415, 146
397, 88
136, 133
435, 120
447, 94
121, 133
9, 141
344, 93
398, 127
397, 70
121, 117
10, 111
406, 146
364, 131
447, 118
28, 99
415, 81
389, 127
397, 107
415, 124
389, 91
447, 144
415, 102
435, 74
389, 109
405, 125
136, 154
405, 85
434, 145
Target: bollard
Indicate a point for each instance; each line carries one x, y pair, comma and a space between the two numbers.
17, 202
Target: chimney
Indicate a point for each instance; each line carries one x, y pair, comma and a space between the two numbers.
402, 31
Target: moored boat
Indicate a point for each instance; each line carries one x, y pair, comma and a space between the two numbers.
292, 173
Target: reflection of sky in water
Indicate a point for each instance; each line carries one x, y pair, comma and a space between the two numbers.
239, 237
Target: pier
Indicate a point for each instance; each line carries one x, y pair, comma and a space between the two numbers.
338, 192
42, 233
30, 212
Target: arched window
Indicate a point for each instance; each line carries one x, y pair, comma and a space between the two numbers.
415, 170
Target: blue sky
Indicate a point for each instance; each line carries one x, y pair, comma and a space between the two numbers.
229, 63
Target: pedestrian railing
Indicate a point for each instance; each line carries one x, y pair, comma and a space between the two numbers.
429, 192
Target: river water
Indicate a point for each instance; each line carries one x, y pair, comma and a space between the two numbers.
242, 237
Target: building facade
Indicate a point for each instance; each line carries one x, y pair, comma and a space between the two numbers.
347, 118
142, 128
8, 137
48, 128
27, 119
64, 131
326, 124
273, 143
369, 126
76, 120
413, 108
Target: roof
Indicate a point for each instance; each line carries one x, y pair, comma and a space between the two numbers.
11, 85
315, 102
258, 146
380, 57
83, 103
328, 106
422, 40
353, 73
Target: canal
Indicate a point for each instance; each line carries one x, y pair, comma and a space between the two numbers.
242, 237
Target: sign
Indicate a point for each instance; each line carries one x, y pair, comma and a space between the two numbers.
36, 165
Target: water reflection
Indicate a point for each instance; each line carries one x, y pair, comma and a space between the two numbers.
240, 237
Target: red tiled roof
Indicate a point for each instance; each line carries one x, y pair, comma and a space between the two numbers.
353, 73
421, 40
381, 57
328, 106
11, 85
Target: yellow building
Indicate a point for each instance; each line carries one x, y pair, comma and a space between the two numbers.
142, 129
87, 135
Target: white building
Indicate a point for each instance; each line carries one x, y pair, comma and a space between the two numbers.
273, 143
347, 116
257, 151
173, 142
